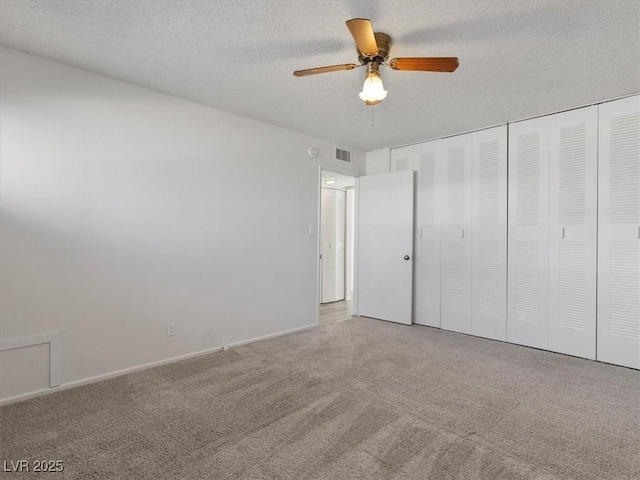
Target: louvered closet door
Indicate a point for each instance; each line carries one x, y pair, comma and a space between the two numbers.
573, 177
402, 159
428, 156
527, 303
455, 313
619, 232
489, 241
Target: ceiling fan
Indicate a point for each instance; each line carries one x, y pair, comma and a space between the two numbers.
373, 51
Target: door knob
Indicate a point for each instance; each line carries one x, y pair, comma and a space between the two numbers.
407, 257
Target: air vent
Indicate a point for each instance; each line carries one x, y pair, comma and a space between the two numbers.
343, 155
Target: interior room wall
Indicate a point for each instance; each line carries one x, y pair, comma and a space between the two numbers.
378, 161
124, 209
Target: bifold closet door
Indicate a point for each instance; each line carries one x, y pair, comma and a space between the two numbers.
489, 239
573, 195
619, 233
402, 159
528, 256
455, 240
427, 159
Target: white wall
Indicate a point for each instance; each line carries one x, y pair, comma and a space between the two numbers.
378, 161
124, 209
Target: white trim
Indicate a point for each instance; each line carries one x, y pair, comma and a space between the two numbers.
356, 229
508, 122
590, 104
271, 335
354, 299
106, 376
55, 344
319, 247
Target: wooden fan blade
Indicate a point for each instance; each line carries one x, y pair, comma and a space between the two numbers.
331, 68
433, 64
362, 33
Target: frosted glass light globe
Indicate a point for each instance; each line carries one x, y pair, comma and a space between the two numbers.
373, 90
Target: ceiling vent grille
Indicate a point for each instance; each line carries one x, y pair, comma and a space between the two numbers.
343, 155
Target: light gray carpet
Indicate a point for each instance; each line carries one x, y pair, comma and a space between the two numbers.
359, 399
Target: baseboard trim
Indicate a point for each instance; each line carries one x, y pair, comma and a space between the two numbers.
119, 373
271, 335
105, 376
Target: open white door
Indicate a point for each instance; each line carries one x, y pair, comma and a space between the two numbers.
385, 246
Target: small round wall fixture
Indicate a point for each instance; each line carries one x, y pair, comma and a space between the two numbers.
312, 152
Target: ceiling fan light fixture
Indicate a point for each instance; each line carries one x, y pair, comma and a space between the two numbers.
373, 91
373, 50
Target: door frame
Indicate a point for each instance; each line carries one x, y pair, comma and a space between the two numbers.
354, 300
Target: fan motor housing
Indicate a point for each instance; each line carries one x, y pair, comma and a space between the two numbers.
384, 45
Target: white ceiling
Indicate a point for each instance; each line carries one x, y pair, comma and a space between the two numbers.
517, 59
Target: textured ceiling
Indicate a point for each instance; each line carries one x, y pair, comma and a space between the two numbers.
517, 59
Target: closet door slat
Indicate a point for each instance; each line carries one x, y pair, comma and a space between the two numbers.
619, 233
455, 313
402, 159
573, 179
528, 257
489, 238
428, 158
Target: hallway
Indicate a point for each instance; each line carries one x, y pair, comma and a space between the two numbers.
335, 312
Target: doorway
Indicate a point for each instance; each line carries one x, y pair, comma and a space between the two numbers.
337, 245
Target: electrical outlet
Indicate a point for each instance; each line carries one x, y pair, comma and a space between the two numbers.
171, 329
